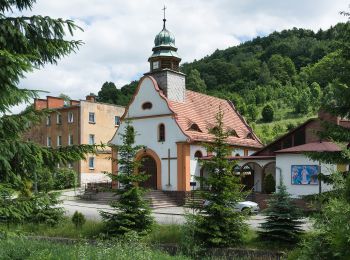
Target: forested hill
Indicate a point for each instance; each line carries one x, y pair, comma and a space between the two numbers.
281, 76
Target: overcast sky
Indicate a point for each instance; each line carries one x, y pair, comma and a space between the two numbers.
119, 34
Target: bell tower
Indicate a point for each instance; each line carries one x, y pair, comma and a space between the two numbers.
164, 65
164, 51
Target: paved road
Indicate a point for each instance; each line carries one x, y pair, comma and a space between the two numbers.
170, 215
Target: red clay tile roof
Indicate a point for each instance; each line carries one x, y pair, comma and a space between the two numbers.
201, 109
312, 147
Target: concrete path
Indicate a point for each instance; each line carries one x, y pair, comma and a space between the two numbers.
169, 215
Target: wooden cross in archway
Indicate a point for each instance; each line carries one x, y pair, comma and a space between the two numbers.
169, 160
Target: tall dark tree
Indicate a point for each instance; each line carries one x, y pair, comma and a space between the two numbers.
108, 93
132, 212
282, 218
268, 113
194, 81
218, 224
28, 43
331, 239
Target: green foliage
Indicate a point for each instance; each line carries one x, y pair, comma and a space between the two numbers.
218, 224
28, 43
194, 81
45, 180
40, 208
110, 94
267, 113
282, 218
132, 211
66, 228
252, 112
65, 178
269, 184
330, 240
44, 209
128, 249
78, 219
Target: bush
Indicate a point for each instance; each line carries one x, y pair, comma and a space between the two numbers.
267, 113
282, 218
65, 178
45, 180
78, 219
45, 210
269, 184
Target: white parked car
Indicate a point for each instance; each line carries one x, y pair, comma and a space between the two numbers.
243, 206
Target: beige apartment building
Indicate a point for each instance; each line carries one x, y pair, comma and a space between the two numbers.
77, 122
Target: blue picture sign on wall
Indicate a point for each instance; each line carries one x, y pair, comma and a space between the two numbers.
304, 174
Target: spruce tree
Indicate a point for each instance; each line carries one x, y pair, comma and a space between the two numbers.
282, 218
28, 43
131, 210
218, 224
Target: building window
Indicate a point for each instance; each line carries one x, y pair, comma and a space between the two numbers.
92, 118
48, 120
70, 165
59, 119
198, 154
91, 139
91, 163
70, 139
195, 127
70, 117
116, 120
161, 133
59, 140
146, 105
48, 141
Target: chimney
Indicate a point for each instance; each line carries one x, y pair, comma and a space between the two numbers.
54, 102
40, 104
91, 98
326, 116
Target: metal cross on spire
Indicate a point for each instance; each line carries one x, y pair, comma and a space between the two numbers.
164, 20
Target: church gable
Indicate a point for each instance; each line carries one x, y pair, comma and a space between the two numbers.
147, 101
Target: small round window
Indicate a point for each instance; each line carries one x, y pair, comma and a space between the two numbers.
146, 105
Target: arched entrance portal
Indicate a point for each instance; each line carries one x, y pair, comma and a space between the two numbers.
149, 167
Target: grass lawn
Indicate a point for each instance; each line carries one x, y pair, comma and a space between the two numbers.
65, 228
21, 248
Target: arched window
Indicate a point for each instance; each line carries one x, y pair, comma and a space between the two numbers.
146, 105
198, 154
161, 133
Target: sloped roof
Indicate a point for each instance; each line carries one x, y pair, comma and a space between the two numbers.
201, 109
312, 147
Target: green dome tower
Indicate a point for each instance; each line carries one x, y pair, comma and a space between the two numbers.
164, 51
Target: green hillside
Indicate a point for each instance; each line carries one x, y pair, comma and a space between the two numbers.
286, 74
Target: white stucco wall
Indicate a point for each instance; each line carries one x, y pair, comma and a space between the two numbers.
147, 130
148, 93
195, 166
284, 163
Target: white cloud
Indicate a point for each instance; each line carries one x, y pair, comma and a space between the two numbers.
119, 34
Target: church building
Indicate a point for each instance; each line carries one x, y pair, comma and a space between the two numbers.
172, 122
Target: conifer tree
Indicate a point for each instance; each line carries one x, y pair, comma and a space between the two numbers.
28, 43
218, 224
131, 210
282, 218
